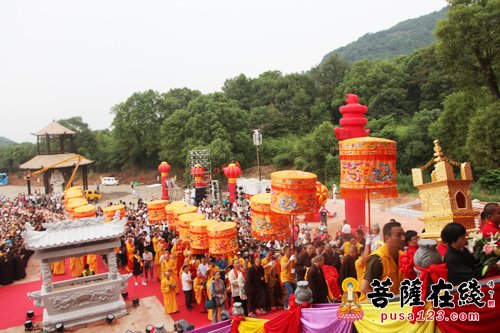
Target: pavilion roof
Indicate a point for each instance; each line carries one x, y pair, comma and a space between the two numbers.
64, 233
42, 161
54, 128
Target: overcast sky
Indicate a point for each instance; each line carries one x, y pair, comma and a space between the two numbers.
60, 59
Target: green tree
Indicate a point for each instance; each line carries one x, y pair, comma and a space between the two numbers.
380, 84
15, 154
85, 138
318, 152
415, 145
482, 140
469, 43
452, 126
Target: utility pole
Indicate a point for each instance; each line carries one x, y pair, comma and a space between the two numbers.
257, 141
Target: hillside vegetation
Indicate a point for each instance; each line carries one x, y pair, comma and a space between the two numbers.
402, 39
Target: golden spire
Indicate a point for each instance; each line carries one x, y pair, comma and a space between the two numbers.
438, 153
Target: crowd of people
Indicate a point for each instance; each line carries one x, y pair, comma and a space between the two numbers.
36, 209
261, 275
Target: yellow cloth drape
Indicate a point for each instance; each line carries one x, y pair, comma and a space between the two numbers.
252, 325
76, 266
58, 268
371, 321
169, 294
92, 261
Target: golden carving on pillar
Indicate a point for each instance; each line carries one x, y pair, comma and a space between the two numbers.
444, 199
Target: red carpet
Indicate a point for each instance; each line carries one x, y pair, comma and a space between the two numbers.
14, 302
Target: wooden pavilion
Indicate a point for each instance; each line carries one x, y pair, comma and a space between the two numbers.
55, 149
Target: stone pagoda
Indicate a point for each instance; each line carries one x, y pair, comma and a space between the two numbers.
445, 198
79, 300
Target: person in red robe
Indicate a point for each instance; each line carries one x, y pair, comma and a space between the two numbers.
492, 214
406, 263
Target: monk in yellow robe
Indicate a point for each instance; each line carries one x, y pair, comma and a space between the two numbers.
130, 254
175, 254
212, 268
200, 289
76, 266
169, 290
210, 279
167, 264
158, 254
92, 261
58, 267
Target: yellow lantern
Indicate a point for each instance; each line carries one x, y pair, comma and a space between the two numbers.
110, 212
266, 224
156, 210
180, 211
74, 203
293, 192
75, 193
222, 238
184, 222
85, 211
367, 165
169, 210
198, 234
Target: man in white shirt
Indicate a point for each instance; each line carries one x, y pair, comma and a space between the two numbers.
346, 228
233, 280
374, 239
147, 259
203, 267
187, 287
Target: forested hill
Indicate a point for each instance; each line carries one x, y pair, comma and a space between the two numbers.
4, 142
402, 39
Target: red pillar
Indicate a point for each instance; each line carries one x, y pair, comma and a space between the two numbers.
232, 189
353, 126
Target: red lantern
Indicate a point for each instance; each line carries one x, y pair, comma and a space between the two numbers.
198, 172
164, 169
232, 171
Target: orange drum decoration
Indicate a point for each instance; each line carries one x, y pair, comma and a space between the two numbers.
156, 210
293, 192
74, 203
111, 211
169, 210
174, 224
198, 234
222, 238
321, 194
267, 225
367, 165
184, 222
232, 171
85, 211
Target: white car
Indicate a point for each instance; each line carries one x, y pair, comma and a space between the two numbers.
109, 181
